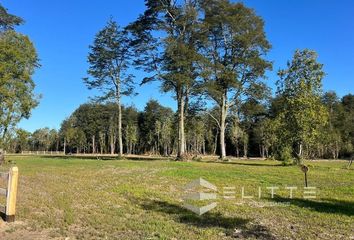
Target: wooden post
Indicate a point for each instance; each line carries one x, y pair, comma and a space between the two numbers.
305, 169
11, 195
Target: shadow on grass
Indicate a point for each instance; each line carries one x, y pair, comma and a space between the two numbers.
322, 205
233, 226
2, 216
87, 157
250, 164
102, 158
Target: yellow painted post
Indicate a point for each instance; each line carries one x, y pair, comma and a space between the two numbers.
11, 195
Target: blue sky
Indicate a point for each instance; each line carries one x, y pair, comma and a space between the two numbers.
63, 30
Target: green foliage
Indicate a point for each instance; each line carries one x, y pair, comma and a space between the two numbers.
155, 126
266, 134
18, 59
285, 154
109, 60
22, 139
198, 50
42, 139
302, 114
7, 20
173, 58
234, 46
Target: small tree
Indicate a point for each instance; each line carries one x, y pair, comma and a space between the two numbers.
109, 61
303, 113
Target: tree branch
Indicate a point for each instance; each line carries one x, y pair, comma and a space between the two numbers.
216, 120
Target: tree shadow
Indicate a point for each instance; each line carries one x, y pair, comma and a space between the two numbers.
251, 164
333, 206
2, 216
102, 157
233, 226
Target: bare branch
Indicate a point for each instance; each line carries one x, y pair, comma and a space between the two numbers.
216, 120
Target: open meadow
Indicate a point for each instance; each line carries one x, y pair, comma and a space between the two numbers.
71, 198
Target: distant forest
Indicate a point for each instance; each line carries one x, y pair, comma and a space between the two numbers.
250, 131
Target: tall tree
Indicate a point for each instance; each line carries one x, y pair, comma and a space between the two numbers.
235, 47
172, 58
18, 59
303, 113
109, 59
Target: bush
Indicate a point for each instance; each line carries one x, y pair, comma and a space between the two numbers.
285, 155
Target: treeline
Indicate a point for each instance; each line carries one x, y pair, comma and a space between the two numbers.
251, 132
211, 56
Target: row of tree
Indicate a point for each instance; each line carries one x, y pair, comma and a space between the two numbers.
256, 130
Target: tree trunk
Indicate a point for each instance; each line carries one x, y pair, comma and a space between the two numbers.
112, 145
181, 136
299, 153
300, 150
93, 144
64, 146
245, 150
120, 139
158, 143
223, 114
215, 142
237, 151
203, 147
263, 151
127, 146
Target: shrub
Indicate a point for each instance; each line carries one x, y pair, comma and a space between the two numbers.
285, 155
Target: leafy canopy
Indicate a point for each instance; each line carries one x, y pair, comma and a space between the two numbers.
18, 59
109, 59
300, 87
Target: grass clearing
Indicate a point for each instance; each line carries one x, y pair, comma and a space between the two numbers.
125, 199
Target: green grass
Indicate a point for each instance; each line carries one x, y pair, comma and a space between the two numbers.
125, 199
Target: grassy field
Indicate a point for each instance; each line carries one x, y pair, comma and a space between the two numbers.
125, 199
